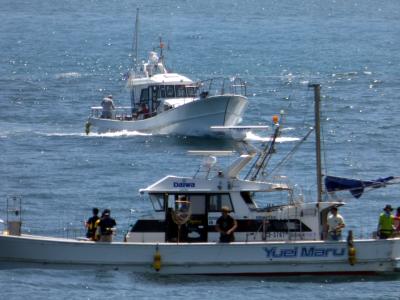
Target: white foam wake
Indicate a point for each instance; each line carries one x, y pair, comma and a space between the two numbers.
68, 75
250, 136
122, 133
119, 133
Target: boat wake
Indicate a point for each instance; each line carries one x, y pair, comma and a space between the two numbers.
122, 133
251, 136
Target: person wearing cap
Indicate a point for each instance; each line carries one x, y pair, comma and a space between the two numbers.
106, 226
91, 224
335, 224
107, 107
386, 223
226, 226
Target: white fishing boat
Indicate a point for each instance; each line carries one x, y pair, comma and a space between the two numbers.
164, 103
273, 237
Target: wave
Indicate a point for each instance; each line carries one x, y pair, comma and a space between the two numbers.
68, 75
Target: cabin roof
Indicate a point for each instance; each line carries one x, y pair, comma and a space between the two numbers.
168, 78
214, 185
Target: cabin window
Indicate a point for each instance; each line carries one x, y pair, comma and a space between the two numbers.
180, 91
161, 91
144, 96
216, 202
157, 200
175, 201
154, 93
170, 93
264, 200
198, 204
246, 196
191, 91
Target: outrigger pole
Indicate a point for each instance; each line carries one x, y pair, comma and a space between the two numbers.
317, 100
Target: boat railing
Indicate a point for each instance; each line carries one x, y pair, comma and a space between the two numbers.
218, 86
72, 232
120, 112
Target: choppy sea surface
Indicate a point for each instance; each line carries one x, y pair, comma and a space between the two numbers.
58, 58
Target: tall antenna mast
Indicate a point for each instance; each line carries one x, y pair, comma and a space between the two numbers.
136, 42
317, 100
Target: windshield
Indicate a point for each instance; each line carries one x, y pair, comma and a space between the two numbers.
157, 200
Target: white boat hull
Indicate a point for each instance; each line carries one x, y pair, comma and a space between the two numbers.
191, 119
252, 258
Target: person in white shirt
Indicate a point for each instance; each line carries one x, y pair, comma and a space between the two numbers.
335, 224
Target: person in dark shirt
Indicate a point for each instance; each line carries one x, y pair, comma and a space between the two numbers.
91, 224
106, 226
226, 225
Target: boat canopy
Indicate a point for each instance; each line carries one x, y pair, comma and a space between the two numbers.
169, 78
354, 186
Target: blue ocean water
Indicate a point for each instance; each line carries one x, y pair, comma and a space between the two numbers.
58, 58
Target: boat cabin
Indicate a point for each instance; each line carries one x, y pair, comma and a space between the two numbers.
157, 90
186, 209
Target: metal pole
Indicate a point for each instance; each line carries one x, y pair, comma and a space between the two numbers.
136, 42
317, 100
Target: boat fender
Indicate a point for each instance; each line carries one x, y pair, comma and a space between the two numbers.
157, 260
352, 255
87, 127
351, 250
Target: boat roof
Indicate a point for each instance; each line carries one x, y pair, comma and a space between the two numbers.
214, 185
165, 78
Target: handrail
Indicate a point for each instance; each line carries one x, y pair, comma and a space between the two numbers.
222, 86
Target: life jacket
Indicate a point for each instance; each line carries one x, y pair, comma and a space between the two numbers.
386, 222
92, 224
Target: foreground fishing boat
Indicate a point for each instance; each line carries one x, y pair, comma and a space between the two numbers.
164, 103
272, 238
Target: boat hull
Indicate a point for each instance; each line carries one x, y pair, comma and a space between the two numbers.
191, 119
252, 258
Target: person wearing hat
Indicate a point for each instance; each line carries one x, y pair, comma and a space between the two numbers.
91, 224
226, 226
106, 226
107, 107
335, 224
386, 223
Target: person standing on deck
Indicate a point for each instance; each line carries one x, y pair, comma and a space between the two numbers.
226, 225
335, 225
107, 107
106, 227
91, 224
386, 223
397, 222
